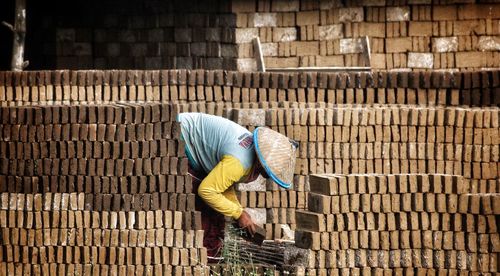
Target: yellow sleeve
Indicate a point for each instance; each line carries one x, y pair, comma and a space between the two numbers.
216, 189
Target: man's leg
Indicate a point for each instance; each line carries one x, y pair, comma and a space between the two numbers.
213, 222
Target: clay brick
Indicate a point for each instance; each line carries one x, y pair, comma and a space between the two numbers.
306, 48
308, 240
441, 13
330, 32
264, 19
398, 45
420, 28
285, 6
319, 203
351, 45
470, 59
243, 6
445, 44
307, 18
309, 221
468, 27
420, 60
398, 14
284, 34
479, 11
488, 43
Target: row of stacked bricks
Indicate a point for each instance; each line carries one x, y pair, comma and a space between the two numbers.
367, 125
96, 189
477, 88
382, 139
173, 34
374, 224
419, 35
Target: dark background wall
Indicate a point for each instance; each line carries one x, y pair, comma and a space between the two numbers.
192, 34
87, 34
42, 19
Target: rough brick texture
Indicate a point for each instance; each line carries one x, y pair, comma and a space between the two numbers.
203, 35
384, 159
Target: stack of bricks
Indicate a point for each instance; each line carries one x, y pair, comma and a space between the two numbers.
410, 35
345, 123
92, 188
378, 139
146, 35
381, 139
334, 138
398, 224
191, 34
478, 88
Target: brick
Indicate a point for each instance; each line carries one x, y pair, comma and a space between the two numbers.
319, 203
330, 61
416, 28
469, 27
307, 18
249, 117
308, 240
441, 13
243, 6
269, 49
351, 45
281, 62
372, 29
306, 48
420, 60
246, 64
324, 184
285, 5
479, 11
331, 32
265, 19
397, 14
470, 59
489, 43
284, 34
398, 45
445, 44
310, 221
355, 14
183, 35
245, 35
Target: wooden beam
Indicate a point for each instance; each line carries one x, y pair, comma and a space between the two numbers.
19, 32
261, 67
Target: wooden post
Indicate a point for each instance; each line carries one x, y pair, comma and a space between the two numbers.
258, 55
366, 58
19, 32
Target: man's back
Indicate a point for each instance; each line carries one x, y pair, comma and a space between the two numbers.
208, 138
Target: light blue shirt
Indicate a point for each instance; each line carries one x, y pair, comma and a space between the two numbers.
208, 138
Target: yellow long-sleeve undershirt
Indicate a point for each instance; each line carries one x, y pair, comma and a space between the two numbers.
217, 188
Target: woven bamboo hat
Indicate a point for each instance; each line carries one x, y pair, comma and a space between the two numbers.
276, 153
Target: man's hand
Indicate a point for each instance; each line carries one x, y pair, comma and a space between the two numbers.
245, 222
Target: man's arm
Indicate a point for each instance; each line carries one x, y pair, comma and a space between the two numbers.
214, 189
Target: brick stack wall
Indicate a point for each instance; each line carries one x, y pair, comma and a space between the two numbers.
376, 139
145, 34
415, 35
366, 124
151, 34
396, 224
96, 189
478, 88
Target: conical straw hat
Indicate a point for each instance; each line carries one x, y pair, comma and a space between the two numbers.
276, 153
